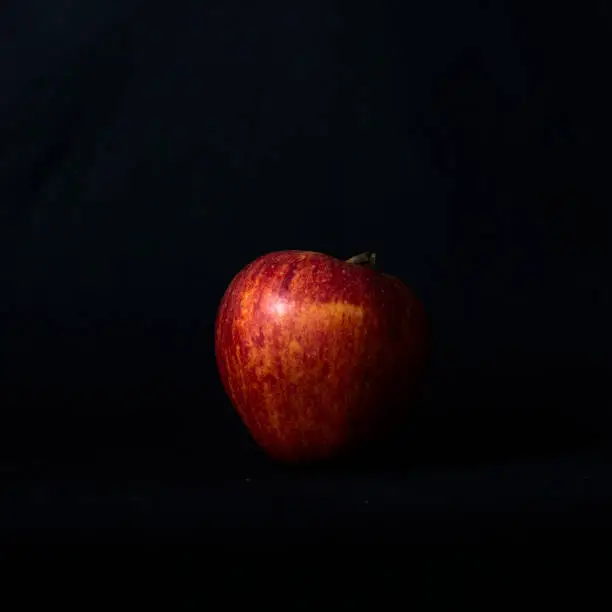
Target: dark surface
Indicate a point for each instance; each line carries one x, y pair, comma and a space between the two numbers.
148, 152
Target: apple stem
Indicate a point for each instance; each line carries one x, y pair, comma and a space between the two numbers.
363, 259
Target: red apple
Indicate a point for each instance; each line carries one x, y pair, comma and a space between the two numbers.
319, 355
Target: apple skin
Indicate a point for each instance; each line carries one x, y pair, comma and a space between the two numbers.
319, 356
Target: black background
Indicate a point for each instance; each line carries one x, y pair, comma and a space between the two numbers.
148, 151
